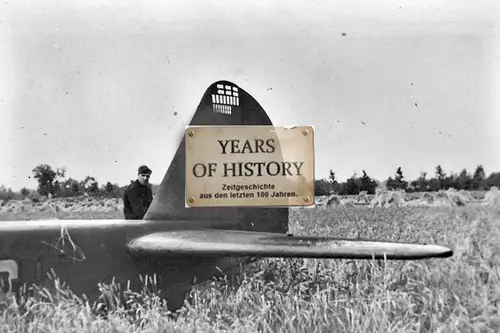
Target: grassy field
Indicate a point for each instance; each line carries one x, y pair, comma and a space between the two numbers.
458, 294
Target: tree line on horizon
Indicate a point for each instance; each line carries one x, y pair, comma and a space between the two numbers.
54, 183
477, 181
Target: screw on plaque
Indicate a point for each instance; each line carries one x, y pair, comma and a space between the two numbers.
306, 199
305, 132
191, 200
190, 133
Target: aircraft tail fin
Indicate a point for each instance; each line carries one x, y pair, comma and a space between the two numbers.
223, 103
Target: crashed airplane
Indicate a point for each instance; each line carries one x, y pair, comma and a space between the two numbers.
176, 243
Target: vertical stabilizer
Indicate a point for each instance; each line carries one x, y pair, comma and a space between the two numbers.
223, 103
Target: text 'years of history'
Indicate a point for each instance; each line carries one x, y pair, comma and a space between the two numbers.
249, 166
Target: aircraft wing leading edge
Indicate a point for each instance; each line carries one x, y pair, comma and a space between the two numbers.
216, 242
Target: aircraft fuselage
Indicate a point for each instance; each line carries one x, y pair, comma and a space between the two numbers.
85, 252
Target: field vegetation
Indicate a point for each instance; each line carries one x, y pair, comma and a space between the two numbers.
457, 294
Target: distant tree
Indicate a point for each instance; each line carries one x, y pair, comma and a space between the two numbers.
399, 174
109, 187
6, 194
335, 186
93, 188
391, 184
434, 185
414, 185
440, 176
338, 188
478, 179
449, 182
332, 176
25, 192
493, 180
463, 181
403, 184
367, 183
111, 190
57, 189
322, 187
121, 190
69, 187
87, 183
352, 185
74, 186
45, 176
398, 182
421, 184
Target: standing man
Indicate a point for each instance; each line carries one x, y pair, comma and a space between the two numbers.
138, 195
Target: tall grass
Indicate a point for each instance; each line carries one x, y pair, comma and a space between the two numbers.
458, 294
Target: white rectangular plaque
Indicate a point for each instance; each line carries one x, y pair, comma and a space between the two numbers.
249, 166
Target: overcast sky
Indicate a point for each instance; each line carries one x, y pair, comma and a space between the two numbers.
102, 87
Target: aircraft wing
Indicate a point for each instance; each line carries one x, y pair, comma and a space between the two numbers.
215, 242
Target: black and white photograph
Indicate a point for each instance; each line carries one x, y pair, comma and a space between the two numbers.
250, 166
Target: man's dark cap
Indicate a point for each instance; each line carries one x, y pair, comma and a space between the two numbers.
144, 170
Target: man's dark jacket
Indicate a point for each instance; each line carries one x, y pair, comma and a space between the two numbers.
136, 200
